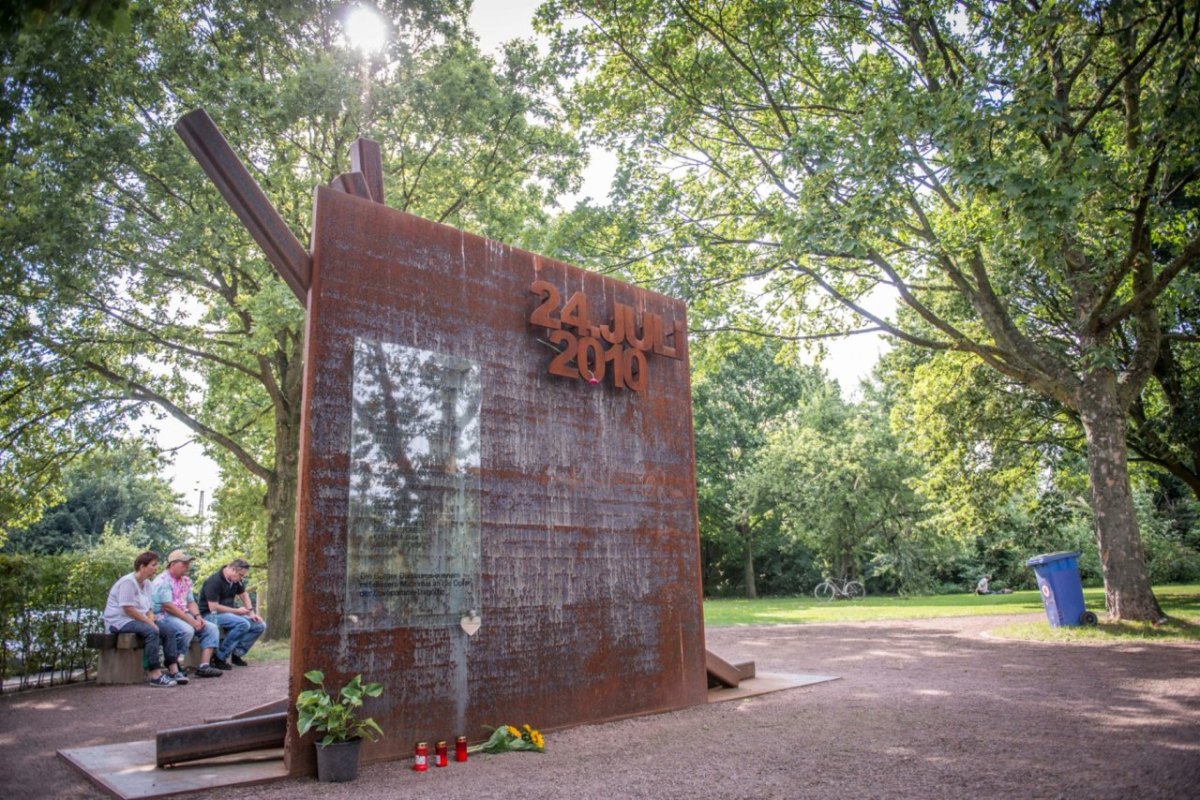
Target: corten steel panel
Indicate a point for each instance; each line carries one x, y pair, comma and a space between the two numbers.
590, 578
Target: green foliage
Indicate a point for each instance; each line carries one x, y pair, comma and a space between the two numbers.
1171, 554
336, 715
1050, 521
49, 603
111, 488
1019, 176
111, 14
746, 391
126, 281
840, 484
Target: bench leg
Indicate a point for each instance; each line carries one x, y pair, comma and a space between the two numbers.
192, 659
120, 667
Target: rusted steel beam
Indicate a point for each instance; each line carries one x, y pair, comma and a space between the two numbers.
279, 706
351, 183
242, 193
720, 670
366, 158
194, 742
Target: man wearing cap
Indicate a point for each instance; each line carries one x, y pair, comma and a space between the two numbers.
242, 625
176, 611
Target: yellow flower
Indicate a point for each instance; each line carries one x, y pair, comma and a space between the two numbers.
513, 732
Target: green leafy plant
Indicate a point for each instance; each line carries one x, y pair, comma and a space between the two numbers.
336, 715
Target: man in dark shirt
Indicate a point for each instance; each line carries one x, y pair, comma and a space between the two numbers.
241, 624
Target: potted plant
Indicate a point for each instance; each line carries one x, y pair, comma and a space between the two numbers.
336, 716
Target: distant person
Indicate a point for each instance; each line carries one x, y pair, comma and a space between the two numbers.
175, 608
242, 625
984, 587
127, 610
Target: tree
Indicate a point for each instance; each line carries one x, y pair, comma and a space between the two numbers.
1022, 176
127, 282
980, 438
840, 484
118, 491
19, 14
1164, 429
750, 387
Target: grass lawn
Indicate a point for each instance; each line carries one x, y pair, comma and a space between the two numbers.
271, 650
1181, 604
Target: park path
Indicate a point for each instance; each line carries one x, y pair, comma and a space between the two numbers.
922, 709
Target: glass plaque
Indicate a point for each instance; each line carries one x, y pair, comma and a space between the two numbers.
412, 548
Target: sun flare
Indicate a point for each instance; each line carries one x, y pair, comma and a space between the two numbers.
365, 30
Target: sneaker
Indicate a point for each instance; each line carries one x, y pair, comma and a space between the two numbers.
162, 680
238, 661
179, 677
208, 671
220, 663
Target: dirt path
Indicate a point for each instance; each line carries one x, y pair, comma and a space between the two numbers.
923, 709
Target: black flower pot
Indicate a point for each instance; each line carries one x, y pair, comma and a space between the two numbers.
338, 762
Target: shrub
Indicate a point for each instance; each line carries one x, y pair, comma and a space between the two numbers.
48, 605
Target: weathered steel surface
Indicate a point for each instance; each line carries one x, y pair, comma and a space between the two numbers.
352, 183
366, 158
590, 579
247, 200
720, 670
194, 742
273, 707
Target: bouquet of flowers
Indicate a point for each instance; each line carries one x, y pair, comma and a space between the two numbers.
507, 738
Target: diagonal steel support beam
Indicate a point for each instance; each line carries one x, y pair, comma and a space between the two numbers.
366, 158
242, 193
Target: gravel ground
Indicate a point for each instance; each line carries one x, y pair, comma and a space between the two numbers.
923, 709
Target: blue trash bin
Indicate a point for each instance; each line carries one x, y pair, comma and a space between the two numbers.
1062, 590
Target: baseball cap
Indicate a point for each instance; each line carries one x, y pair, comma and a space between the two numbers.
179, 555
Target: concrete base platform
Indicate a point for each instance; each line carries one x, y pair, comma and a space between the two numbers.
764, 683
128, 772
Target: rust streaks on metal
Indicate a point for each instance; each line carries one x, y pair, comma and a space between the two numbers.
246, 198
590, 578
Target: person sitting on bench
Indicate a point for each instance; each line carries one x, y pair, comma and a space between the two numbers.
242, 625
127, 610
176, 609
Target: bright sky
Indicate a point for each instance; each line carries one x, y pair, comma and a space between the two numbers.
495, 22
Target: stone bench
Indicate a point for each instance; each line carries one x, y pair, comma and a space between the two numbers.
123, 657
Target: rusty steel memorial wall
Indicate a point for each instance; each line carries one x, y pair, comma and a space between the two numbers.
497, 508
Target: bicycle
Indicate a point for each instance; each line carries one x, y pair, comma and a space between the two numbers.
832, 588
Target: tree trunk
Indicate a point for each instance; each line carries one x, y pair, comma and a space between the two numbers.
1128, 595
280, 501
748, 563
